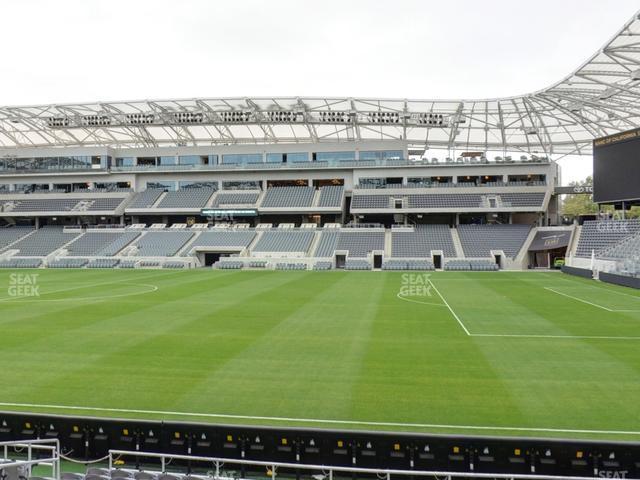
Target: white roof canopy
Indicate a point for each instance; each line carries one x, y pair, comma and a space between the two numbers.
600, 98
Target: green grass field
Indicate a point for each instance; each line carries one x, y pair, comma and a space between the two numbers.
523, 353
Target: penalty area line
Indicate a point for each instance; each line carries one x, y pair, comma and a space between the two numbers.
578, 299
450, 309
320, 421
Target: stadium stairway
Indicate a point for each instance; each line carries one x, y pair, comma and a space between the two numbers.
158, 200
388, 248
255, 240
187, 246
314, 243
521, 261
316, 199
260, 199
131, 250
573, 244
457, 243
62, 251
212, 199
7, 248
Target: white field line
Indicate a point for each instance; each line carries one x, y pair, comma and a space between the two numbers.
419, 301
579, 299
450, 309
90, 285
317, 420
566, 337
151, 289
595, 304
509, 335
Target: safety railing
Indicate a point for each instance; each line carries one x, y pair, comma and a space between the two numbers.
328, 472
49, 446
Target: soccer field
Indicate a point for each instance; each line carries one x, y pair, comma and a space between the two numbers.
522, 353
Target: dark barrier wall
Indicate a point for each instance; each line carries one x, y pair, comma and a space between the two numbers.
580, 272
86, 438
620, 280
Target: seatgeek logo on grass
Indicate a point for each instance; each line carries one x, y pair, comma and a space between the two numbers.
415, 285
23, 285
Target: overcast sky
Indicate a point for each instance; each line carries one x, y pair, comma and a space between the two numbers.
89, 50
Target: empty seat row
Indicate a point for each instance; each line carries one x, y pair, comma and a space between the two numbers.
66, 262
174, 265
478, 265
291, 266
628, 248
420, 242
145, 199
479, 240
60, 204
284, 241
9, 235
322, 265
360, 242
21, 263
235, 199
357, 264
229, 264
451, 200
288, 197
43, 242
187, 198
224, 239
105, 243
598, 235
410, 264
103, 263
162, 244
331, 196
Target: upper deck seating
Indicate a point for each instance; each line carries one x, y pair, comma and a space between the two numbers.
187, 198
235, 198
331, 196
145, 199
288, 197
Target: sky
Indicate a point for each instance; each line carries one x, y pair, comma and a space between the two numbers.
92, 50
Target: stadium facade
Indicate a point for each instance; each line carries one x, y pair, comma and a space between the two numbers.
311, 182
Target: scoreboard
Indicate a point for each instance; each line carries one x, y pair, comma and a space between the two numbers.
616, 168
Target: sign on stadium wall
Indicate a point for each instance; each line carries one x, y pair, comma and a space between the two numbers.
578, 189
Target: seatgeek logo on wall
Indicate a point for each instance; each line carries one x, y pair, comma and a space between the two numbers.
23, 285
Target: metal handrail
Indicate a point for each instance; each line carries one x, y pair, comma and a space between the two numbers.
218, 462
47, 444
